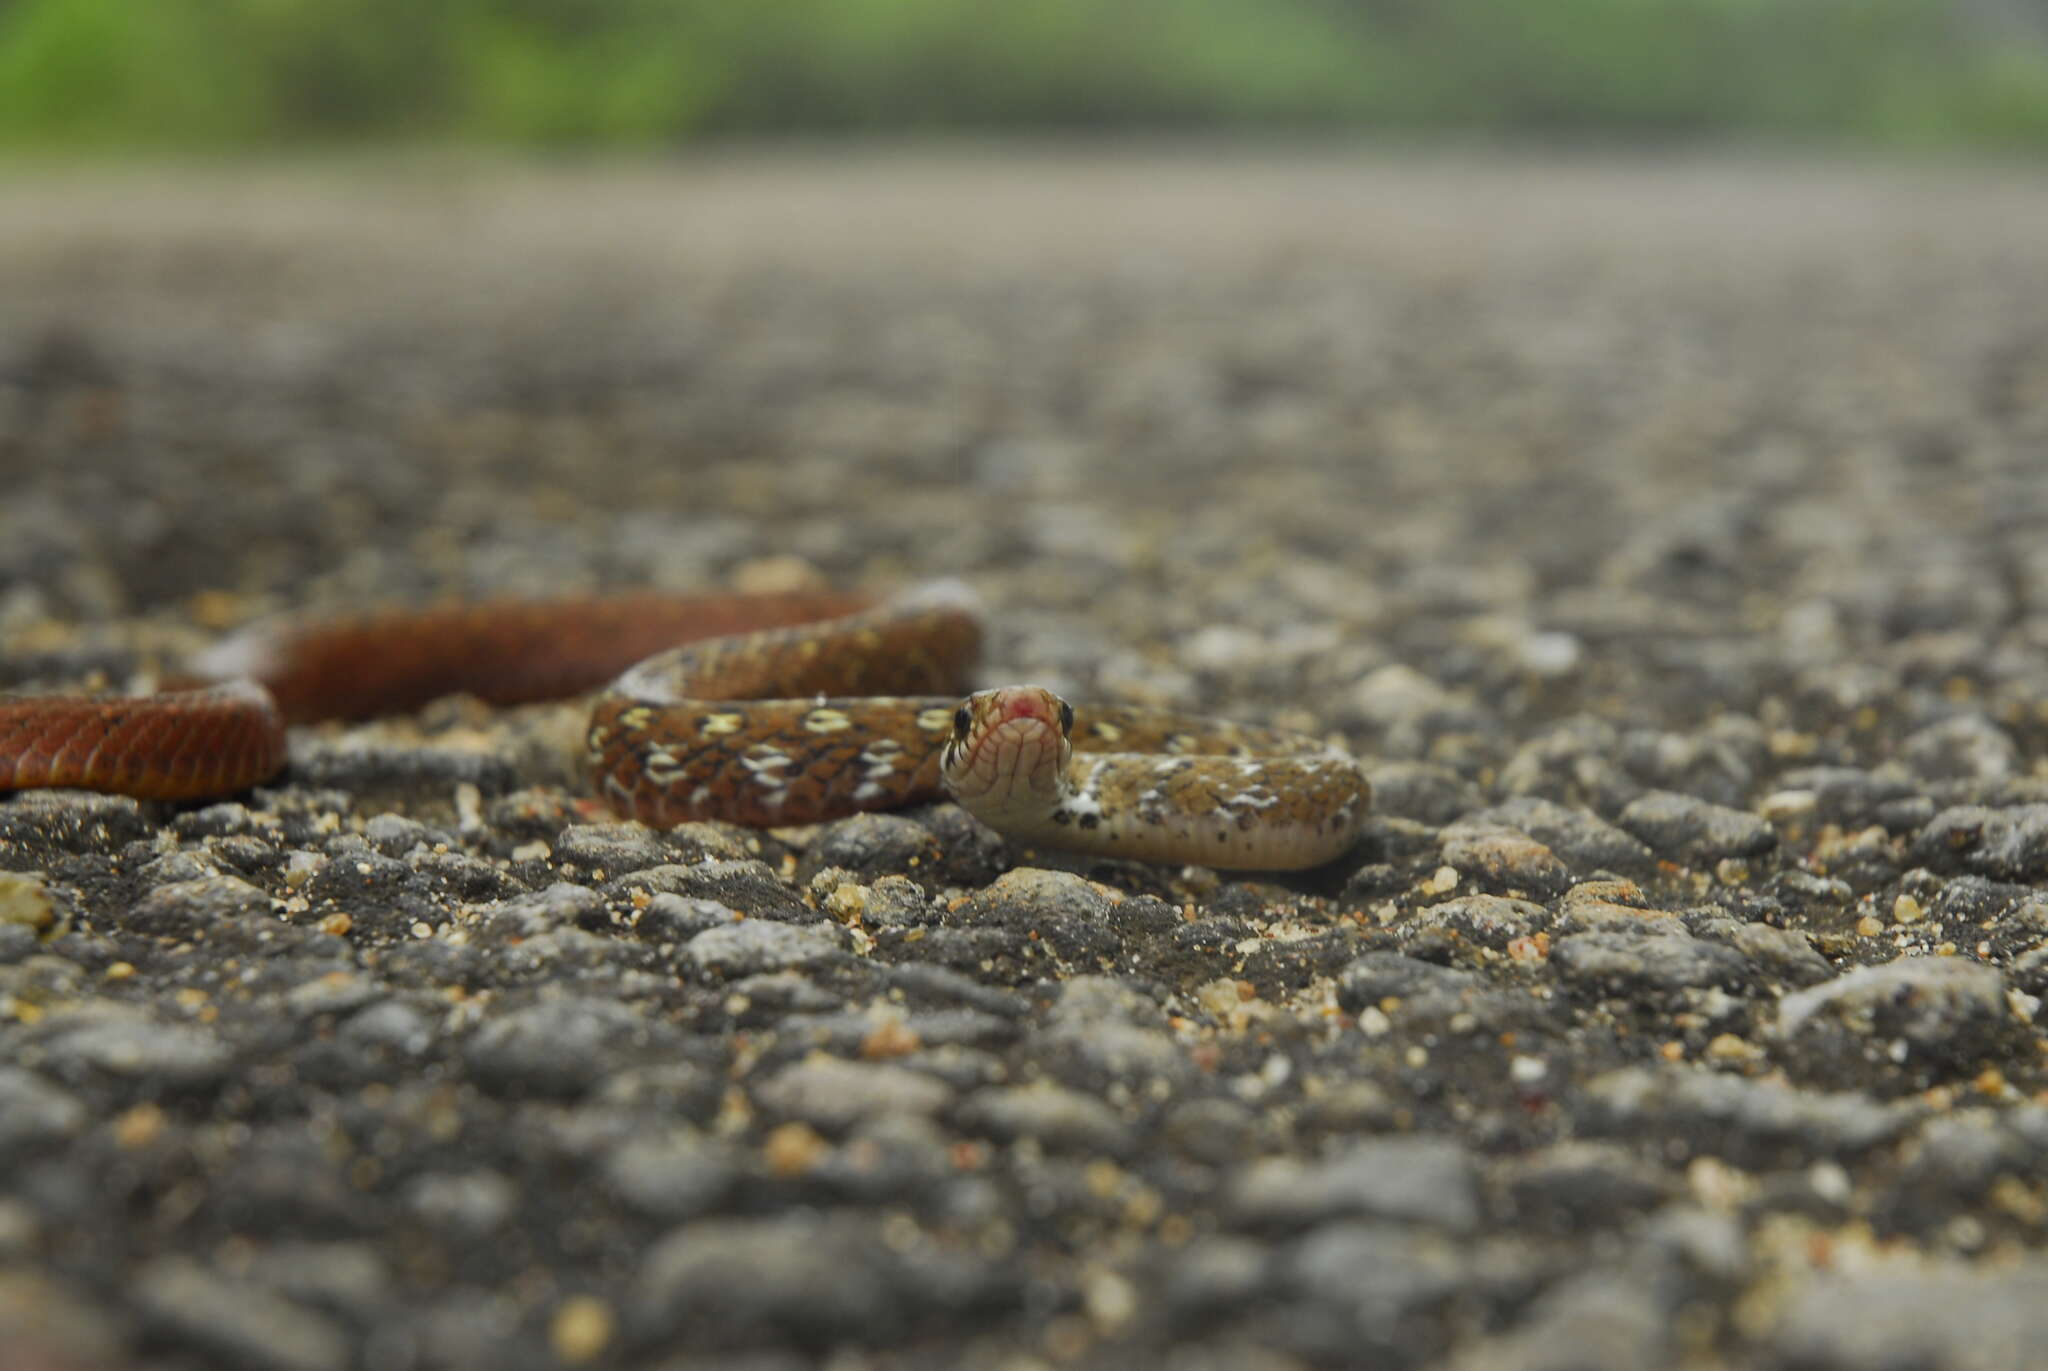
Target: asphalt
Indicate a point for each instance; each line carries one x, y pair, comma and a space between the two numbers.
1666, 535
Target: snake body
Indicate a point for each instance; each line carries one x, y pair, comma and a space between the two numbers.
798, 708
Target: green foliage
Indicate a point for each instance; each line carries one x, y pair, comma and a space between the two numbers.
253, 73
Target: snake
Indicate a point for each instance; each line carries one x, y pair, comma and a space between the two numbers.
768, 710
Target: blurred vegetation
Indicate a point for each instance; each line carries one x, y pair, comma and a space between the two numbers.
254, 74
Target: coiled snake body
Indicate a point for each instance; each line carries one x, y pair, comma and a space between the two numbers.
799, 708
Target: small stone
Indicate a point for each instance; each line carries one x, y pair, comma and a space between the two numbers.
468, 1204
1622, 964
1059, 1118
836, 1094
2004, 844
235, 1321
1750, 1123
872, 846
1505, 859
1694, 831
1945, 1016
34, 1114
669, 918
1422, 1180
24, 902
610, 849
1075, 919
182, 909
673, 1174
89, 1044
581, 1329
554, 1048
754, 946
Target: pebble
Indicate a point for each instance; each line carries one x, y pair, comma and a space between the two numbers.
835, 1095
188, 908
1428, 1181
34, 1114
546, 1049
236, 1322
1693, 831
2004, 844
1939, 1313
88, 1044
1623, 964
25, 904
1053, 1115
1505, 859
1938, 1016
1750, 1123
671, 1175
815, 1281
754, 946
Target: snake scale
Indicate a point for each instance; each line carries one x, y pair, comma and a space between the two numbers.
774, 710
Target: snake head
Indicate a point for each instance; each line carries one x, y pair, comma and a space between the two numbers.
1010, 747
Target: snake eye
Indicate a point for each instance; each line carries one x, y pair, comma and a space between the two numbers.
961, 721
1066, 717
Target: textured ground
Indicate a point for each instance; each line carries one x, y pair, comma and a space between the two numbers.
1673, 542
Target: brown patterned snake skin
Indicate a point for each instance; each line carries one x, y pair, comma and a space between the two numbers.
779, 710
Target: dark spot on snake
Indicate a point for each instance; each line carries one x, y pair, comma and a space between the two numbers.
1061, 816
1091, 821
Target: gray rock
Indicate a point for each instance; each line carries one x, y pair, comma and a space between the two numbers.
1075, 919
1967, 747
1598, 1319
747, 886
345, 1278
1751, 1123
89, 1044
602, 850
182, 909
528, 916
1216, 1132
1377, 976
872, 846
1490, 921
1947, 1315
753, 946
1374, 1276
800, 1278
671, 1175
1505, 859
835, 1094
394, 835
2005, 844
465, 1204
554, 1048
1694, 831
1573, 1186
1578, 836
393, 1027
236, 1322
1944, 1015
34, 1114
671, 918
1783, 954
1624, 964
1057, 1117
1429, 1181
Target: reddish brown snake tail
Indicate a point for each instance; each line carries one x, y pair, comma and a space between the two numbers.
182, 746
191, 744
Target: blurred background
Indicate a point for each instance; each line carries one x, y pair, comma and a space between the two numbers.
266, 75
1434, 328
